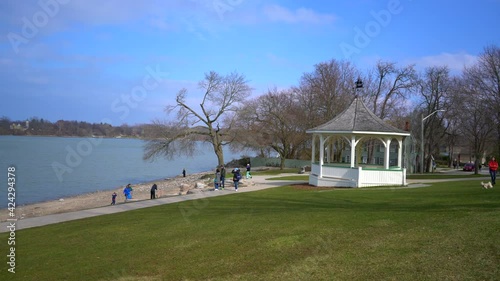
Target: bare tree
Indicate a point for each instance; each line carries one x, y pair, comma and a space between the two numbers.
279, 121
327, 90
249, 134
388, 87
222, 97
434, 89
475, 125
386, 90
485, 77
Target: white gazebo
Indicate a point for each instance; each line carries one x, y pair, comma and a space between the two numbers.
357, 126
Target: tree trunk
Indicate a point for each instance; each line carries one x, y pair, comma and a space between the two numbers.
217, 144
282, 163
220, 154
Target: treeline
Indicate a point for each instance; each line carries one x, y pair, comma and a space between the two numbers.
39, 127
445, 111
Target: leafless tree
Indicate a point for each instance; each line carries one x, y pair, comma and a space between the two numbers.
434, 90
485, 77
386, 90
222, 97
475, 125
278, 121
249, 134
327, 90
388, 87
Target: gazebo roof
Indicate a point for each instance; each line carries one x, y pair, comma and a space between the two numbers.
357, 119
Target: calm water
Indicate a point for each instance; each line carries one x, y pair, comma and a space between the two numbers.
49, 168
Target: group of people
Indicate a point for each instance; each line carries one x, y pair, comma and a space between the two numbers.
220, 177
219, 182
128, 191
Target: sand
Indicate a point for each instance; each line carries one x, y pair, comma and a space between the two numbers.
167, 187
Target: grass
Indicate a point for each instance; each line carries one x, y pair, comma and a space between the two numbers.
274, 172
445, 176
291, 178
448, 231
414, 177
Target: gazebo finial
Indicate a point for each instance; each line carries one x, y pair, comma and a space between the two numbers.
359, 85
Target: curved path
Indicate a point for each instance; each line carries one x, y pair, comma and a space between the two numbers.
256, 183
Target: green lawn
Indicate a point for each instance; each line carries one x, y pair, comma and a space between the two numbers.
448, 231
445, 176
304, 178
272, 172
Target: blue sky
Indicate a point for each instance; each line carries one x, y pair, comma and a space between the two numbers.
123, 61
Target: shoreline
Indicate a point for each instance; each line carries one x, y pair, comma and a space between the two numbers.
168, 187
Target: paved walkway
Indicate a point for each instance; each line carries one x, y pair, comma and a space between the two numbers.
256, 183
259, 183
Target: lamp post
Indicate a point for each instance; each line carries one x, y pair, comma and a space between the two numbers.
359, 85
422, 139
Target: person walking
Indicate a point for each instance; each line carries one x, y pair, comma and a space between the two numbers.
222, 177
493, 165
248, 175
184, 173
154, 188
217, 179
236, 178
127, 192
113, 198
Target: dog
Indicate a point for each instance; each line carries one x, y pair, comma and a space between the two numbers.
486, 185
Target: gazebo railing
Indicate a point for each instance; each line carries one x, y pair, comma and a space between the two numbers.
356, 177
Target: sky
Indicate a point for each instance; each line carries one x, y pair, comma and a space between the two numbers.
124, 61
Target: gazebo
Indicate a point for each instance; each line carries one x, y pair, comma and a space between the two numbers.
358, 127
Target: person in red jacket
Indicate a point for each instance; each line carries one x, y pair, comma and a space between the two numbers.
493, 164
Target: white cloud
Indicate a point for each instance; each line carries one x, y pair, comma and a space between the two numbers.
301, 15
160, 24
455, 62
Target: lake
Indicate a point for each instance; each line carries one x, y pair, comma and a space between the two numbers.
49, 168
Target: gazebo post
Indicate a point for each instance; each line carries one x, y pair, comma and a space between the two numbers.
321, 154
353, 150
313, 155
400, 153
387, 153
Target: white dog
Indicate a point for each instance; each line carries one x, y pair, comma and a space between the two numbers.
486, 185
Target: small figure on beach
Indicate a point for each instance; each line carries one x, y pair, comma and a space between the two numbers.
127, 191
249, 176
236, 177
184, 173
222, 176
217, 179
154, 188
113, 198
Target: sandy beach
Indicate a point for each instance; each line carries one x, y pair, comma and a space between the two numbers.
167, 187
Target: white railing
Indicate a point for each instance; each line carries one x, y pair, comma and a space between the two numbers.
355, 177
